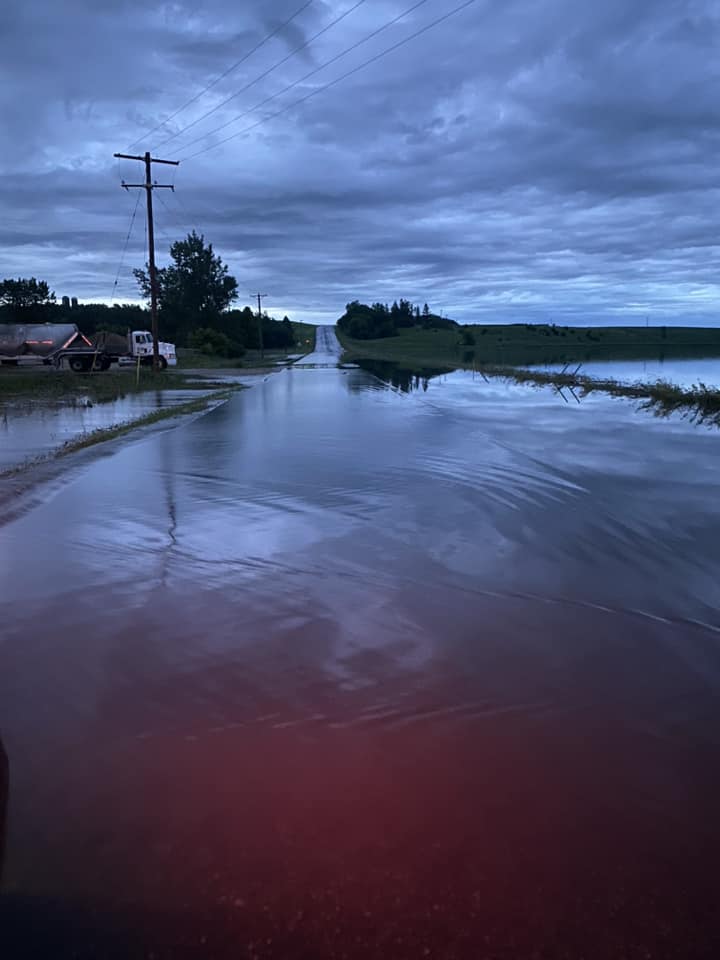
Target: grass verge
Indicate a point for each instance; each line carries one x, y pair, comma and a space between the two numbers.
305, 334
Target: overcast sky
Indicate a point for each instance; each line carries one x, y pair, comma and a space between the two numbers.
522, 160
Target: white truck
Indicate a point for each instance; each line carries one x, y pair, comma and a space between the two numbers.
59, 343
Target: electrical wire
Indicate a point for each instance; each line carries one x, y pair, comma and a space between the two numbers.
127, 241
312, 73
327, 86
187, 216
265, 74
222, 76
173, 216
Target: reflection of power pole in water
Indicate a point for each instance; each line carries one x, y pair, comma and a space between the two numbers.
260, 330
168, 475
4, 787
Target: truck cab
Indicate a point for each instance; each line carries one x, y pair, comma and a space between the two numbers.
140, 344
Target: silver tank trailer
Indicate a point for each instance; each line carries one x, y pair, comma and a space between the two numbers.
36, 339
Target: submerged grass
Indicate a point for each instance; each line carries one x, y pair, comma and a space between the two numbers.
432, 350
102, 434
700, 402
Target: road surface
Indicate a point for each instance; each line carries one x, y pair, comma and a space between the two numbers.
341, 670
327, 348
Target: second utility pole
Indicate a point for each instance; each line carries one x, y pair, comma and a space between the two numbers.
260, 330
149, 186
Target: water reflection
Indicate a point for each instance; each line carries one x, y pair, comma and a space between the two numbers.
404, 378
677, 368
328, 672
4, 787
30, 429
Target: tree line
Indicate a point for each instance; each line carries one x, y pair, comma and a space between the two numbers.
195, 297
374, 322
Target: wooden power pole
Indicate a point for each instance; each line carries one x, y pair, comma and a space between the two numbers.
260, 330
148, 187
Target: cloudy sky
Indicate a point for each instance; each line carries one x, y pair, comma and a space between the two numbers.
520, 160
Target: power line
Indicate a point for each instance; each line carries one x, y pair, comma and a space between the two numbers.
149, 186
127, 241
307, 76
222, 76
332, 83
185, 212
266, 73
173, 216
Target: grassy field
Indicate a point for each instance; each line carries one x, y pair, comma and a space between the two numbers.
521, 344
41, 383
505, 351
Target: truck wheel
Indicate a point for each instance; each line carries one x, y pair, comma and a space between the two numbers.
105, 363
77, 364
162, 363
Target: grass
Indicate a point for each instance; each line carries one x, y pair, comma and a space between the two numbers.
196, 360
305, 334
505, 350
40, 383
521, 344
700, 402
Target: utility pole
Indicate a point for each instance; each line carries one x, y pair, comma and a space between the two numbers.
260, 332
148, 187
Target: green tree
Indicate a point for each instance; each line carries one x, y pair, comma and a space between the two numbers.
214, 343
25, 297
194, 290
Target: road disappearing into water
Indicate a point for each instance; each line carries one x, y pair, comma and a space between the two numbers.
327, 348
342, 670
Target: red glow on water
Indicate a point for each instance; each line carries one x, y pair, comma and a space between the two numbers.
283, 838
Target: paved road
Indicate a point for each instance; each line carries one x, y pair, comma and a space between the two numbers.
327, 348
341, 670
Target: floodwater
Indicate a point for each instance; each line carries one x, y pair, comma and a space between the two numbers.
339, 670
684, 372
32, 429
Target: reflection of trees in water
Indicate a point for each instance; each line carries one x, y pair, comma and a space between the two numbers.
402, 378
4, 786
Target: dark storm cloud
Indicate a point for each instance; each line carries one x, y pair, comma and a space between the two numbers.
519, 161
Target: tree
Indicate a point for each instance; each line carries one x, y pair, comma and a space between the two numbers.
215, 343
194, 290
368, 323
426, 311
24, 295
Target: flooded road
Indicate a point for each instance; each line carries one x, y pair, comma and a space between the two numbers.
33, 429
342, 671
